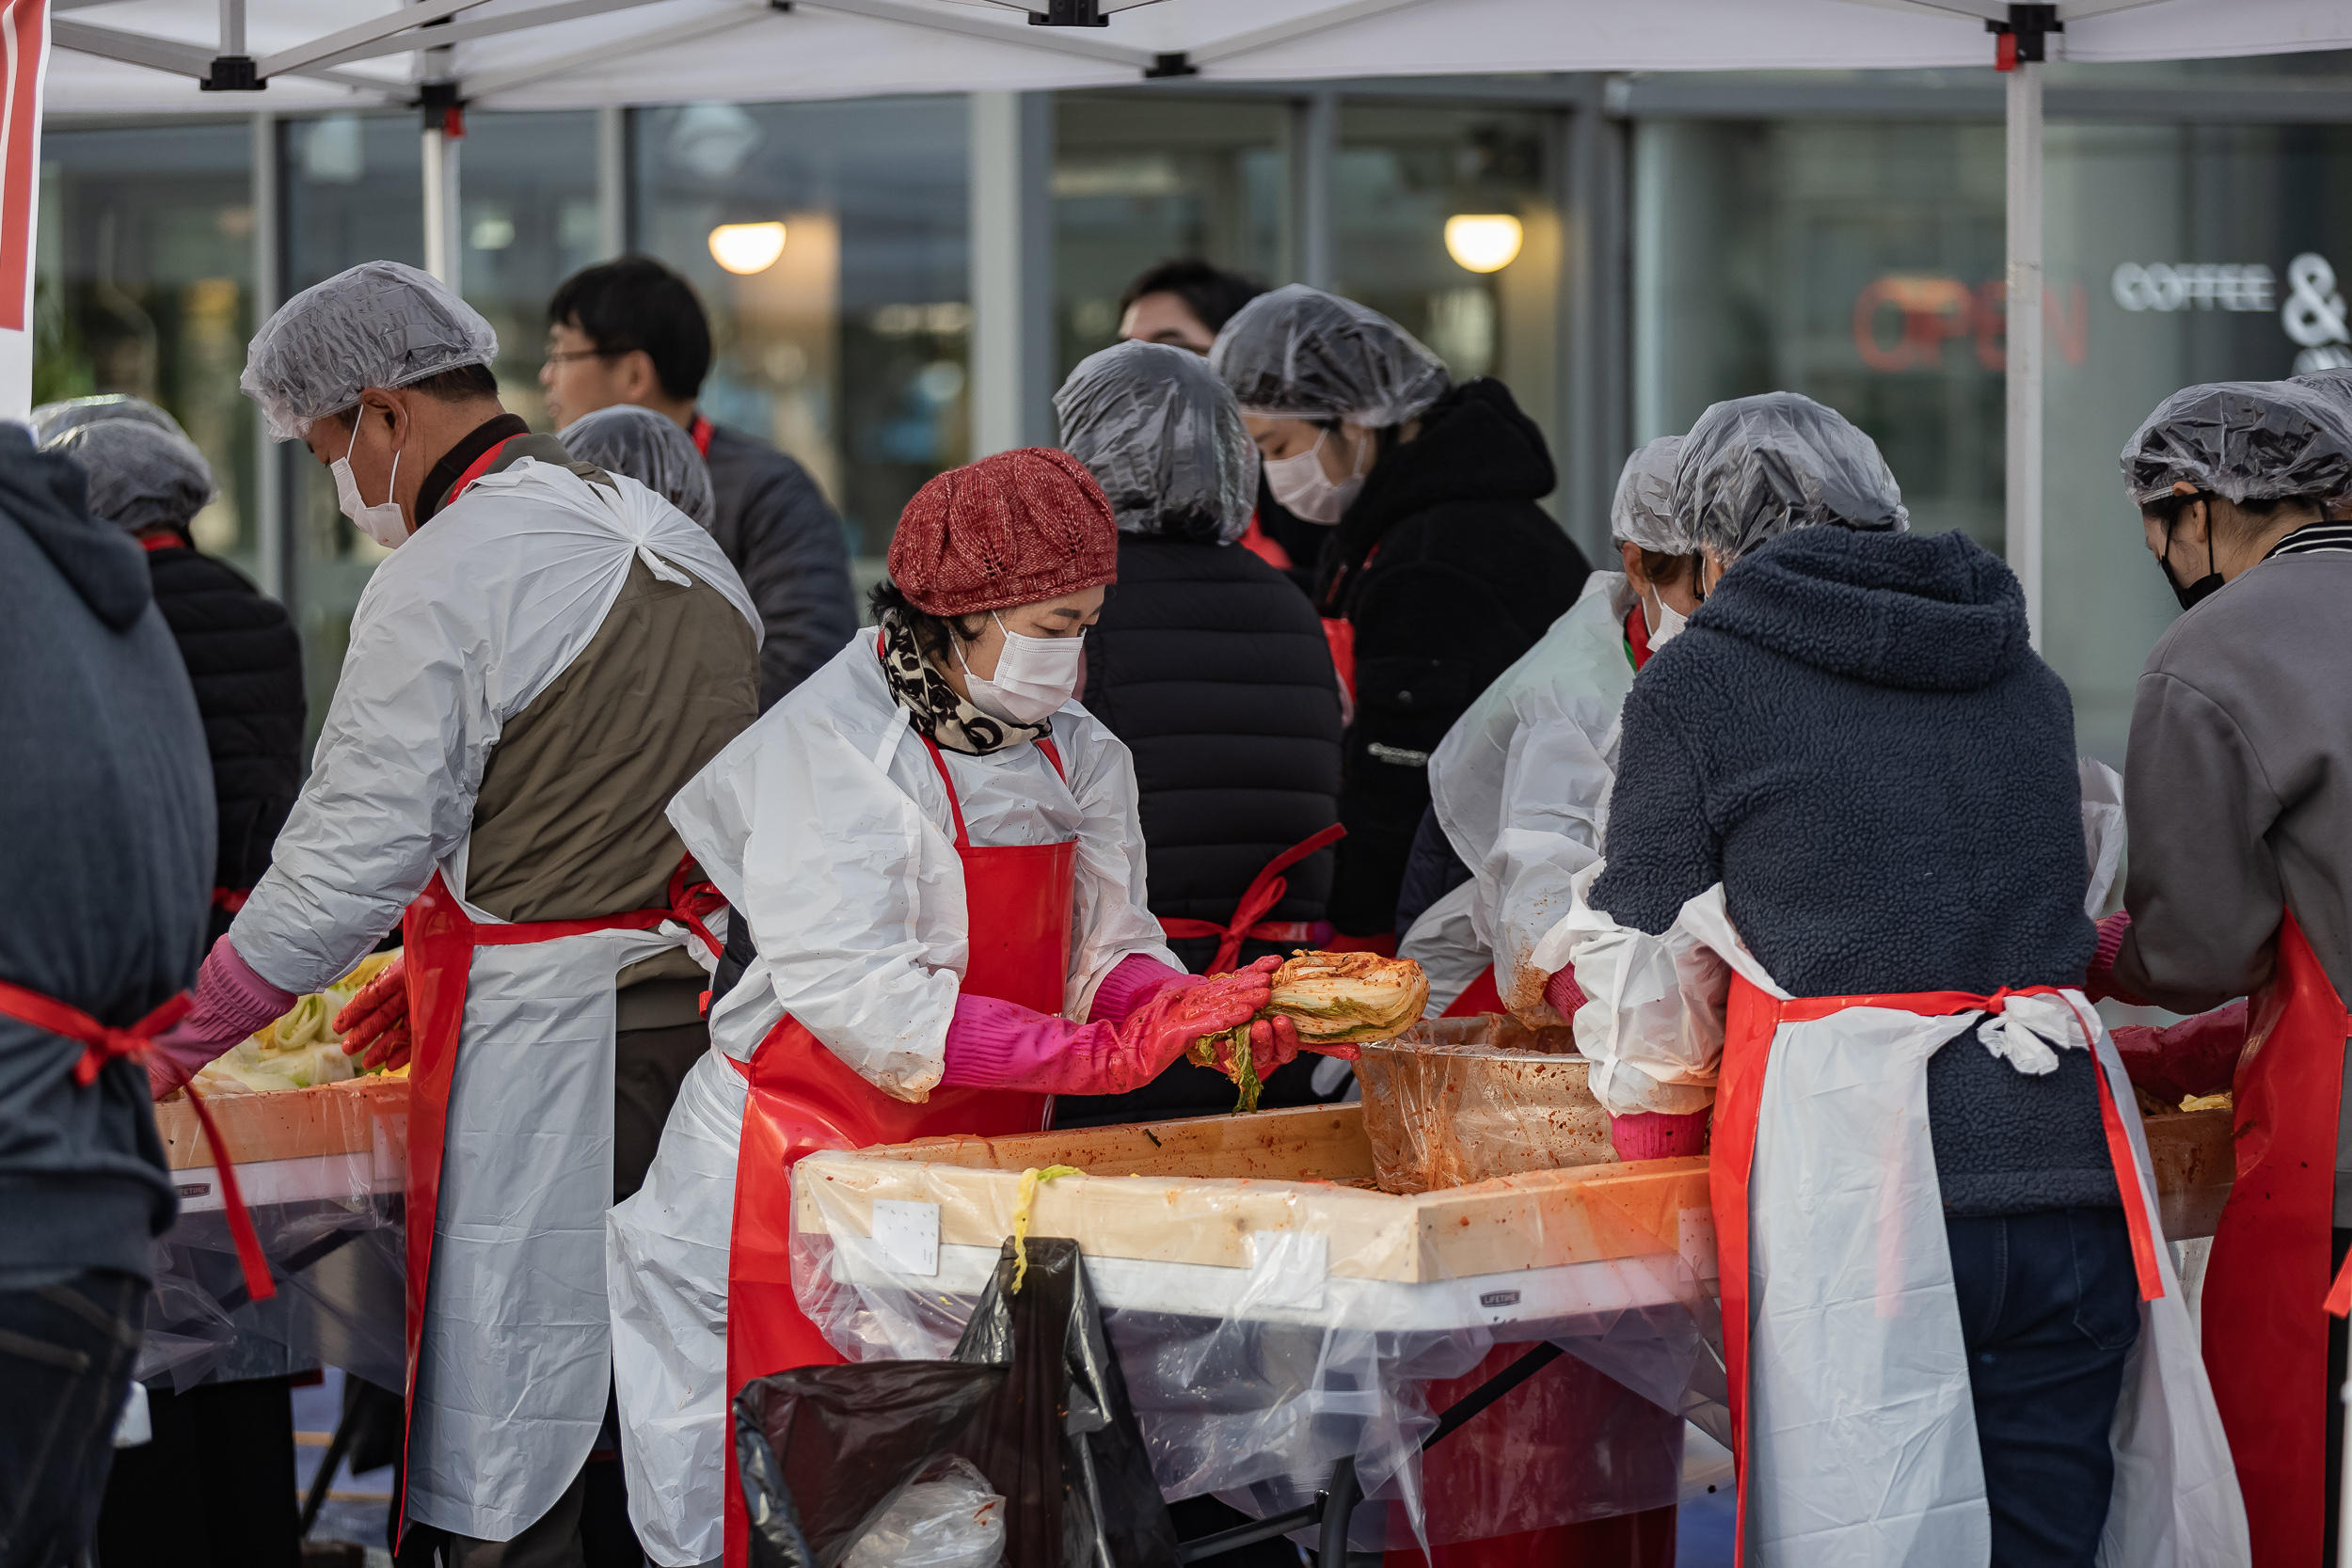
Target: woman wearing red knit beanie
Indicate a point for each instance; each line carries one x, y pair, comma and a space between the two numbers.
938, 923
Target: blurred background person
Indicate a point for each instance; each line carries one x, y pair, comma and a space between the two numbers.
216, 1484
1214, 672
1440, 571
109, 855
1185, 303
632, 331
628, 439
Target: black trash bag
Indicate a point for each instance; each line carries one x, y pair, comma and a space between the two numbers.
824, 1451
1059, 1439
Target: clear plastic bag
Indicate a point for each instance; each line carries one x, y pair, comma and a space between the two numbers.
1269, 1324
1453, 1100
949, 1519
324, 1171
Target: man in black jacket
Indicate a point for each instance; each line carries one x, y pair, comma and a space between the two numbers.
107, 858
632, 331
1442, 568
211, 1488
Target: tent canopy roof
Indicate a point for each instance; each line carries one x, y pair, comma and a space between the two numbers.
146, 55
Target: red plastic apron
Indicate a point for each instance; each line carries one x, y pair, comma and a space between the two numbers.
2265, 1338
437, 940
1264, 891
1751, 1019
1483, 995
100, 1045
1018, 902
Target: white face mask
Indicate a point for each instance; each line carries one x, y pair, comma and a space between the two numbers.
1664, 625
1306, 491
1035, 676
383, 523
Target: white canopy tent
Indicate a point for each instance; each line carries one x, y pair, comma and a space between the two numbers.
196, 56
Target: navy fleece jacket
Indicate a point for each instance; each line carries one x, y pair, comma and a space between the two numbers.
1854, 736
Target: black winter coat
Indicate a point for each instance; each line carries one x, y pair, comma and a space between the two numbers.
1448, 571
245, 664
1213, 669
1854, 736
782, 537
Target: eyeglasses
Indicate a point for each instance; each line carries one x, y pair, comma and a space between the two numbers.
557, 358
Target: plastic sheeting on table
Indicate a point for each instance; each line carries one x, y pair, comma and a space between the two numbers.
1453, 1100
1320, 1339
325, 1196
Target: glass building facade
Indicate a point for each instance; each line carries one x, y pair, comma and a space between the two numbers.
1672, 241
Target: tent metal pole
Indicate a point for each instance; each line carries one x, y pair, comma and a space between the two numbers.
1314, 153
612, 181
270, 533
440, 206
2025, 350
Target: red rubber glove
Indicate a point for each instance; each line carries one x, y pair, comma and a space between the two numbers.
1273, 1042
994, 1044
1652, 1136
1564, 993
2099, 980
2197, 1055
376, 1020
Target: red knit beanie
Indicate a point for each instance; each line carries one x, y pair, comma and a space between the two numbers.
1010, 529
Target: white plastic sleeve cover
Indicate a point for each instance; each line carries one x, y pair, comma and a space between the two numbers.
1653, 1023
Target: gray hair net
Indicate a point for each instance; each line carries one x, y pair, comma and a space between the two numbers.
2244, 440
139, 475
379, 324
651, 450
1756, 467
53, 419
1164, 439
1298, 353
1643, 513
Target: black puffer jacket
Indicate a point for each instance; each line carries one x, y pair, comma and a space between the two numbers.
1854, 736
245, 664
1448, 571
1213, 668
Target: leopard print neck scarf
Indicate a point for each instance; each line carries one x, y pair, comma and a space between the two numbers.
933, 707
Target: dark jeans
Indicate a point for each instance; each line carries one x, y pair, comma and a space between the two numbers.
214, 1489
66, 1353
2049, 1308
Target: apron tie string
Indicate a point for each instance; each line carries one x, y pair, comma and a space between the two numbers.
1266, 890
101, 1043
693, 903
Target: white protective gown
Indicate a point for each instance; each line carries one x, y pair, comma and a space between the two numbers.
826, 826
1520, 785
457, 632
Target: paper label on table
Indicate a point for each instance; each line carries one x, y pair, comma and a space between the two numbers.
908, 1235
1288, 1269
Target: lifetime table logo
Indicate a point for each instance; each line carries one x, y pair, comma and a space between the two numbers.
2313, 315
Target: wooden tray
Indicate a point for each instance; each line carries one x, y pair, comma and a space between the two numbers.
291, 1124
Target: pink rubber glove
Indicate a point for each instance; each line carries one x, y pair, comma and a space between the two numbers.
1650, 1135
1564, 993
232, 1001
2197, 1055
375, 1022
1135, 979
997, 1045
2099, 980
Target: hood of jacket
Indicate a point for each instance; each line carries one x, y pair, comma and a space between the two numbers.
1928, 612
1474, 445
44, 493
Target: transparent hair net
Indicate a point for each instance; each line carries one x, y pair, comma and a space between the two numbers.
651, 450
53, 419
1298, 353
1752, 468
379, 324
2244, 440
139, 475
1164, 439
1643, 513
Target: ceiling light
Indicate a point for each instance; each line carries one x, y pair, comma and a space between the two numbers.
1482, 242
750, 248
